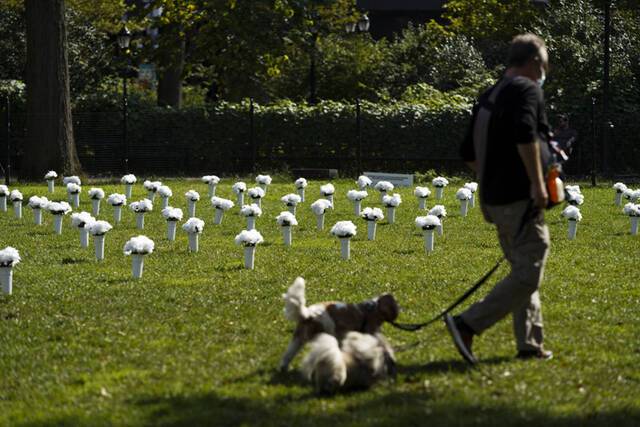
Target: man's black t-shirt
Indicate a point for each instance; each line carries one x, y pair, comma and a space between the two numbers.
517, 117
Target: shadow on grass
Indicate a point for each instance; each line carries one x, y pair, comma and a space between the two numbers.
66, 261
444, 366
228, 268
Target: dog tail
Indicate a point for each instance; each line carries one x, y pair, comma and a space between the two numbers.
325, 366
294, 302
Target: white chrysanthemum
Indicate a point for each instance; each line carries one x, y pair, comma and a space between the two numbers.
471, 186
220, 203
301, 183
631, 209
439, 211
164, 191
58, 208
572, 213
363, 181
428, 222
256, 193
80, 220
355, 195
73, 188
440, 181
96, 194
16, 196
50, 175
71, 180
36, 202
291, 199
320, 206
327, 189
129, 179
4, 191
152, 185
635, 196
210, 179
192, 195
139, 245
372, 214
144, 205
249, 238
116, 199
392, 201
422, 192
286, 219
172, 214
263, 179
575, 198
344, 229
239, 187
384, 186
573, 189
627, 193
99, 228
619, 187
9, 257
251, 210
464, 194
193, 226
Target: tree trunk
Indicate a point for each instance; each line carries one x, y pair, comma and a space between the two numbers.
49, 144
170, 79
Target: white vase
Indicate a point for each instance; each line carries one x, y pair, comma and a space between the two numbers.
439, 192
219, 215
212, 190
464, 207
356, 207
249, 257
428, 240
440, 228
345, 247
618, 198
6, 279
98, 243
165, 202
51, 185
329, 197
472, 201
17, 209
140, 220
391, 214
292, 209
75, 200
257, 201
286, 235
191, 208
171, 230
301, 194
320, 222
117, 214
3, 203
95, 207
137, 265
57, 224
422, 203
251, 222
240, 199
193, 241
264, 187
69, 198
382, 194
128, 190
573, 228
37, 216
634, 225
84, 237
371, 230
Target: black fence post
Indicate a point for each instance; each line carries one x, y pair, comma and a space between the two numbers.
359, 137
593, 142
7, 174
125, 120
252, 142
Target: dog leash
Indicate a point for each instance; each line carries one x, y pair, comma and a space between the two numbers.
412, 327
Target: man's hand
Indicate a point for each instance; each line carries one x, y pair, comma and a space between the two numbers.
540, 196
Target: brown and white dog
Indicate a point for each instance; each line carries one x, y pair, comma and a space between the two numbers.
333, 318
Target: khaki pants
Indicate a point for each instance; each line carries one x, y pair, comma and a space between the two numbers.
526, 249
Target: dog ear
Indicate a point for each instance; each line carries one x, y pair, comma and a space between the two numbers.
388, 307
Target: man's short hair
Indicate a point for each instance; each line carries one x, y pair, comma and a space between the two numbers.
524, 48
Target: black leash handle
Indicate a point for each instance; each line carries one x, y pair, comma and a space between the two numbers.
412, 327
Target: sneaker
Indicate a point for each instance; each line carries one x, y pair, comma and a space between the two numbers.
461, 339
540, 354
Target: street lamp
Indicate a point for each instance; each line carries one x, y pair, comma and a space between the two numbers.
124, 40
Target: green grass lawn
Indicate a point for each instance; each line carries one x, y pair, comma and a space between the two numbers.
197, 339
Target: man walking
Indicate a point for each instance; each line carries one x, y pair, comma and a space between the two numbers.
503, 148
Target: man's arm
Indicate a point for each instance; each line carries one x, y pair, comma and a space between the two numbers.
530, 155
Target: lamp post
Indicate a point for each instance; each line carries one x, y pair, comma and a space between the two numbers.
124, 40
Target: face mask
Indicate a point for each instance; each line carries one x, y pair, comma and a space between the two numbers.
542, 78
